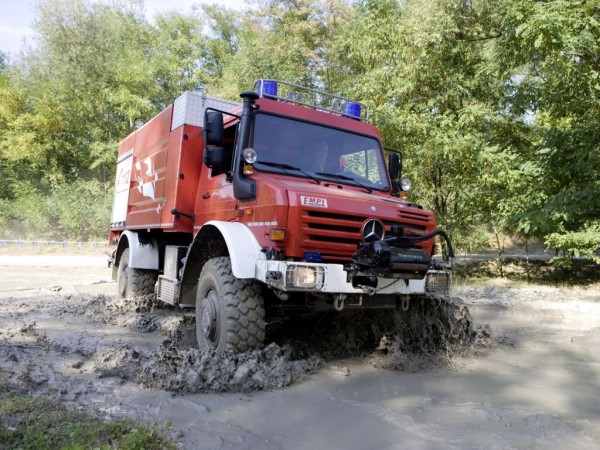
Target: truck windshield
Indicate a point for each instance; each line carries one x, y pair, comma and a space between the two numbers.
308, 150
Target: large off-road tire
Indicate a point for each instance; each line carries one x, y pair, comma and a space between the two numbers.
230, 313
134, 282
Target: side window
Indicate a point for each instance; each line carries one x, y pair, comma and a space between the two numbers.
373, 170
364, 163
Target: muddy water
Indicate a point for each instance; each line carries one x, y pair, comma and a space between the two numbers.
531, 385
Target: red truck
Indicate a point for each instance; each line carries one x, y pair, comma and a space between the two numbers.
277, 206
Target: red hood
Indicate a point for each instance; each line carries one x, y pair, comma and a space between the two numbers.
328, 217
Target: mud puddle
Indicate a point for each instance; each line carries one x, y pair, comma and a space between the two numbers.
531, 385
143, 341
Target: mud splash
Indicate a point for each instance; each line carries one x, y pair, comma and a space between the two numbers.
192, 371
430, 334
433, 332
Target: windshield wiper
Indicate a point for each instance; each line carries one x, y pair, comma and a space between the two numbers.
346, 178
288, 167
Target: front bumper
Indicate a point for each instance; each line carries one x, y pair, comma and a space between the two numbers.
333, 279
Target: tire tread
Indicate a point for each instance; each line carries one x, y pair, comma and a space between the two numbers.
243, 307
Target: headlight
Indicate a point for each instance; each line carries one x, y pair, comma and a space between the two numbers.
437, 281
304, 277
405, 184
249, 155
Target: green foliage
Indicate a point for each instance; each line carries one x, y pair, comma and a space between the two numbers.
577, 243
418, 65
28, 423
547, 53
494, 105
77, 210
179, 56
84, 85
98, 71
282, 39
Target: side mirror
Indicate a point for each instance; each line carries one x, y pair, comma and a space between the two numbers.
214, 157
395, 165
213, 128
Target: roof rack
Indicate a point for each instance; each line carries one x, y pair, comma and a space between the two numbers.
311, 98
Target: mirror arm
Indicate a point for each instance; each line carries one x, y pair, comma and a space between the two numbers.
222, 112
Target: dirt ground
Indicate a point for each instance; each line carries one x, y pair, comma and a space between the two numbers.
534, 384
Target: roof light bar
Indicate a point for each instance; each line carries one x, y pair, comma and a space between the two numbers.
311, 98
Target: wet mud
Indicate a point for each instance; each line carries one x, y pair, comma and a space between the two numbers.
428, 334
435, 377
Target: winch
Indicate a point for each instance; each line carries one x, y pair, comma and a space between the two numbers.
393, 257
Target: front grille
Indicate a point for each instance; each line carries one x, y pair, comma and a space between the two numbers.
336, 236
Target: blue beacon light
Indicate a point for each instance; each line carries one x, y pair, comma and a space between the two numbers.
353, 110
268, 89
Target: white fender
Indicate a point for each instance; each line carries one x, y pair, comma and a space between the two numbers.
143, 253
244, 249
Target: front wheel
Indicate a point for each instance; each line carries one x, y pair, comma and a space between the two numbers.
230, 313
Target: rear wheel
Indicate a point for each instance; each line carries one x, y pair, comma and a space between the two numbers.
134, 282
230, 313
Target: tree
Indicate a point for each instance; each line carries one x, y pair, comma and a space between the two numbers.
419, 65
80, 90
178, 55
98, 71
284, 40
548, 54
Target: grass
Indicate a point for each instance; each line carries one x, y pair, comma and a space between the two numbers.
42, 423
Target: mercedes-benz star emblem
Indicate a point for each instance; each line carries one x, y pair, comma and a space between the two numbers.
373, 230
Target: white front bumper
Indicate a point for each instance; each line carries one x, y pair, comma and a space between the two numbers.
330, 279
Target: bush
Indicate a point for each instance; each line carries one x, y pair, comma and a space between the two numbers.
576, 243
74, 211
474, 240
